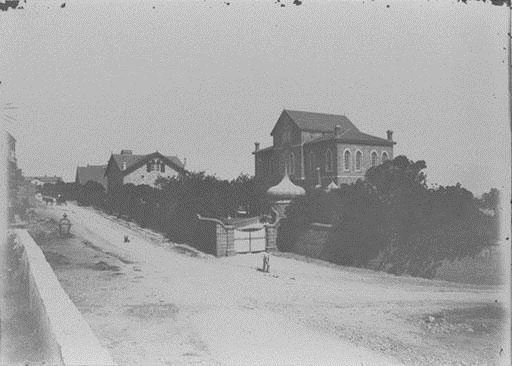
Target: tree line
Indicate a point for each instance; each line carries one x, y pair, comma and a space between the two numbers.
171, 208
392, 221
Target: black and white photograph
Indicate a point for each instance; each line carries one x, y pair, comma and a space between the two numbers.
255, 182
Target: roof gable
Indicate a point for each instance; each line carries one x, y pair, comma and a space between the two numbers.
95, 173
321, 122
355, 137
133, 162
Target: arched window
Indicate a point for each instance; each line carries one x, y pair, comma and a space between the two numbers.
384, 156
287, 134
346, 158
162, 167
291, 164
148, 167
359, 160
328, 160
375, 158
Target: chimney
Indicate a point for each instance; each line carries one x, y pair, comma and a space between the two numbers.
256, 146
337, 131
390, 135
126, 152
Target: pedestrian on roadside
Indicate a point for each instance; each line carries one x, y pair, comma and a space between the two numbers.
266, 262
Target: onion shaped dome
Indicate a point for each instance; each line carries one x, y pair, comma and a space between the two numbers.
285, 189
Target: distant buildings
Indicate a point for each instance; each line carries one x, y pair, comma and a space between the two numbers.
40, 181
126, 168
318, 149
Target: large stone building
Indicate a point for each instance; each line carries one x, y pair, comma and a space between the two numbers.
127, 168
318, 149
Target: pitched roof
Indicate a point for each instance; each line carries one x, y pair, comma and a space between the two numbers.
269, 148
95, 173
321, 122
354, 137
133, 161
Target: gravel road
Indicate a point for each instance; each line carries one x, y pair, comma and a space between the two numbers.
153, 303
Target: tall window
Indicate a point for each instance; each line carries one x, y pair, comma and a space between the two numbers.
291, 164
312, 162
384, 156
155, 165
328, 160
124, 165
375, 159
359, 160
287, 135
346, 162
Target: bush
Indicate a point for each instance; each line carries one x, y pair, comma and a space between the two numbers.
171, 209
393, 222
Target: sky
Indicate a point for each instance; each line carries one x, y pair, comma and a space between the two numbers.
204, 80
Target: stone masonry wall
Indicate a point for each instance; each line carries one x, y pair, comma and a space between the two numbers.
352, 175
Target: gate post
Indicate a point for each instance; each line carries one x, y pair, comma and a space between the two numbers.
230, 240
271, 237
224, 237
225, 240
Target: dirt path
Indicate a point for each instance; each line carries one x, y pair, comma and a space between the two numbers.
150, 303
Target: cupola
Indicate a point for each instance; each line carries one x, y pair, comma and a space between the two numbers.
285, 189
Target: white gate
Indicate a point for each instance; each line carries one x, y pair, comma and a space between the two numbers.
250, 239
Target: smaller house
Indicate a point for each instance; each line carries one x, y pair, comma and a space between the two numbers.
127, 167
91, 173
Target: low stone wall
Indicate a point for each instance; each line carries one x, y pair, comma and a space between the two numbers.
311, 243
67, 333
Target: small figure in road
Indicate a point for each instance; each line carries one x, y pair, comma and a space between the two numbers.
126, 240
266, 262
64, 226
60, 200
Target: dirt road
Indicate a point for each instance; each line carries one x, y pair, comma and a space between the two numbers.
151, 303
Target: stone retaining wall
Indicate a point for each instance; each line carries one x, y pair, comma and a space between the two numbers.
311, 243
69, 336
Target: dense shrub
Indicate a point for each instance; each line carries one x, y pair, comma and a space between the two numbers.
394, 222
173, 207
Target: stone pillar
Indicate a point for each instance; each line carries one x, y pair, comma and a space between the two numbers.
271, 237
280, 208
221, 241
225, 240
230, 240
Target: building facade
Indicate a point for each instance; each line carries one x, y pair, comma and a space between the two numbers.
127, 168
318, 149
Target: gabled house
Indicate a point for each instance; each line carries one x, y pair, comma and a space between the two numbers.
317, 149
94, 173
127, 168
